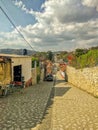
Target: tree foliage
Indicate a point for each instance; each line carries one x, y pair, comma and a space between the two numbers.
50, 55
90, 59
34, 59
79, 52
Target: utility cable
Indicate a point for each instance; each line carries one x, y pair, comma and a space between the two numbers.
16, 27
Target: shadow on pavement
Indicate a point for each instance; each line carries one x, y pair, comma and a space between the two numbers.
60, 91
45, 124
50, 102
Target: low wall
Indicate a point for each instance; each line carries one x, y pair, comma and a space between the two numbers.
86, 79
42, 75
34, 75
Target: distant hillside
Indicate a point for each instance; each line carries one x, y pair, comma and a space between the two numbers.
16, 51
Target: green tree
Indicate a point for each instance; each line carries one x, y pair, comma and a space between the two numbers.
33, 61
50, 55
79, 52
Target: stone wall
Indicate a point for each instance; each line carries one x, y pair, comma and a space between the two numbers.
34, 75
42, 75
86, 79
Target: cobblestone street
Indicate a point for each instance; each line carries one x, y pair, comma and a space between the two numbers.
48, 64
69, 108
24, 109
74, 109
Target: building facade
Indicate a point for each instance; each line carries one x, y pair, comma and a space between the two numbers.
20, 68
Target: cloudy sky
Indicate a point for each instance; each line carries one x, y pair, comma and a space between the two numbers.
49, 24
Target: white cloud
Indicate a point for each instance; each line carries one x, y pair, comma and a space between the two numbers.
66, 11
64, 24
20, 4
91, 3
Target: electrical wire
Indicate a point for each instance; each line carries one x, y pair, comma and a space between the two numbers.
16, 27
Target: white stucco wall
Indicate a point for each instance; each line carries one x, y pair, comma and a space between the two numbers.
26, 66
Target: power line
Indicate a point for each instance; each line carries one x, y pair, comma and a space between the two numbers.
16, 27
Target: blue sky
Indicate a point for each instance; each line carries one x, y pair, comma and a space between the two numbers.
18, 16
49, 24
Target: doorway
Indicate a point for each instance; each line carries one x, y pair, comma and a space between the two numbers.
17, 72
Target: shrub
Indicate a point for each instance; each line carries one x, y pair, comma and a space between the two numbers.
33, 62
88, 59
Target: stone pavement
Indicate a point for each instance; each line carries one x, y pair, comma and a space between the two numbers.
69, 109
46, 122
74, 109
23, 110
